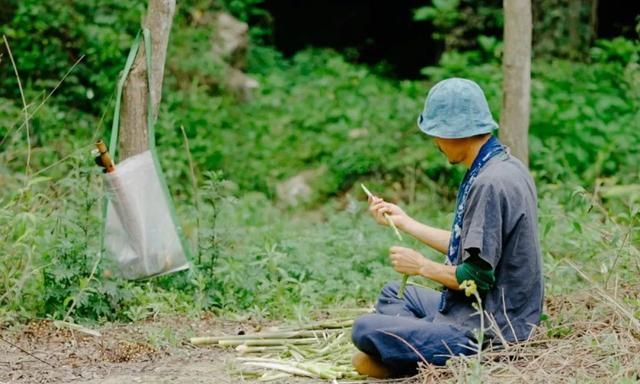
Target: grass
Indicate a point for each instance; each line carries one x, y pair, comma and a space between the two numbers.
259, 260
590, 310
596, 343
268, 263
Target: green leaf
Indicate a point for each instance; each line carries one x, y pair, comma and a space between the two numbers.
577, 226
446, 5
425, 13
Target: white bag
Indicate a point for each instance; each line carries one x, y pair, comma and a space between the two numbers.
141, 236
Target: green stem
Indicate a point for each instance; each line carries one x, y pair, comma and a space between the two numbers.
398, 235
319, 325
403, 285
205, 340
266, 342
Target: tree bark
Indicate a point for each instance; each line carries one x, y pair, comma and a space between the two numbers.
575, 40
134, 135
593, 22
516, 67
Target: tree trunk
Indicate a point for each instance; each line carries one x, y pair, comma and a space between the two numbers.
593, 22
134, 136
575, 40
516, 67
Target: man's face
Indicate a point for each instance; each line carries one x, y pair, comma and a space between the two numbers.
454, 149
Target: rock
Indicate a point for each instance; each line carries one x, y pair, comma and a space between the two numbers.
228, 55
358, 133
297, 189
229, 43
240, 85
230, 40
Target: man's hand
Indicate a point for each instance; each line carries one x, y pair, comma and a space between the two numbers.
408, 261
411, 262
378, 207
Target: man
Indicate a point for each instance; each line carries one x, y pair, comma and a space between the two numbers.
493, 241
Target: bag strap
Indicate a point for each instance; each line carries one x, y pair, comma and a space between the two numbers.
145, 36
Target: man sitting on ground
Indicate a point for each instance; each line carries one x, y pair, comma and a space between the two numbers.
493, 241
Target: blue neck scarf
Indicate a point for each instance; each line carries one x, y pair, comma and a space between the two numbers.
490, 149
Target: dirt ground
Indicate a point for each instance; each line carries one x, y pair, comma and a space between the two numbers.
149, 352
594, 340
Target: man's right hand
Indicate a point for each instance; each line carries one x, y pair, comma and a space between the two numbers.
378, 207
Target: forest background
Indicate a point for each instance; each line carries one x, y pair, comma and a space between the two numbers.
328, 98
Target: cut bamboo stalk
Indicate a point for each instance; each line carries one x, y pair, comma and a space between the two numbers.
76, 327
297, 356
272, 376
261, 360
246, 374
283, 353
245, 349
386, 216
405, 277
266, 342
206, 340
403, 286
345, 324
304, 353
281, 367
321, 370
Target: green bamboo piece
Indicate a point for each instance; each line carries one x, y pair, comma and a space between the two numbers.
279, 354
266, 342
245, 349
206, 340
405, 277
272, 376
260, 360
281, 367
319, 369
299, 352
246, 374
403, 285
337, 324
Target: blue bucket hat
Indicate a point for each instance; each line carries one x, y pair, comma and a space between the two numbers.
456, 108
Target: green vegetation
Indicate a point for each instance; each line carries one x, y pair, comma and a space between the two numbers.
314, 110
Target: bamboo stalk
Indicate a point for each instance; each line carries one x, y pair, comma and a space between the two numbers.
405, 277
286, 353
281, 367
386, 216
246, 374
206, 340
260, 360
76, 327
245, 349
344, 324
322, 370
266, 342
272, 376
403, 286
308, 352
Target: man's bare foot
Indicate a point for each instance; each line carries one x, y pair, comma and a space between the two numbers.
367, 365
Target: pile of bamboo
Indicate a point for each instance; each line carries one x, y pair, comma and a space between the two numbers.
320, 350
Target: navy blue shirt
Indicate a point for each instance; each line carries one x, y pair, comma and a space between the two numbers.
501, 226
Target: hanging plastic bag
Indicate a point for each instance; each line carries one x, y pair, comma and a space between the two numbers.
141, 235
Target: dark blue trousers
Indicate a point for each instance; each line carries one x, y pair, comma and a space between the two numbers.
410, 319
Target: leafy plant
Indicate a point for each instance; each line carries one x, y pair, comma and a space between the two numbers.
49, 37
312, 111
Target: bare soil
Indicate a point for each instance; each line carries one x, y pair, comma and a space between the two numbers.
149, 352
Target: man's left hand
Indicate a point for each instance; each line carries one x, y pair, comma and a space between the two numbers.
407, 260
